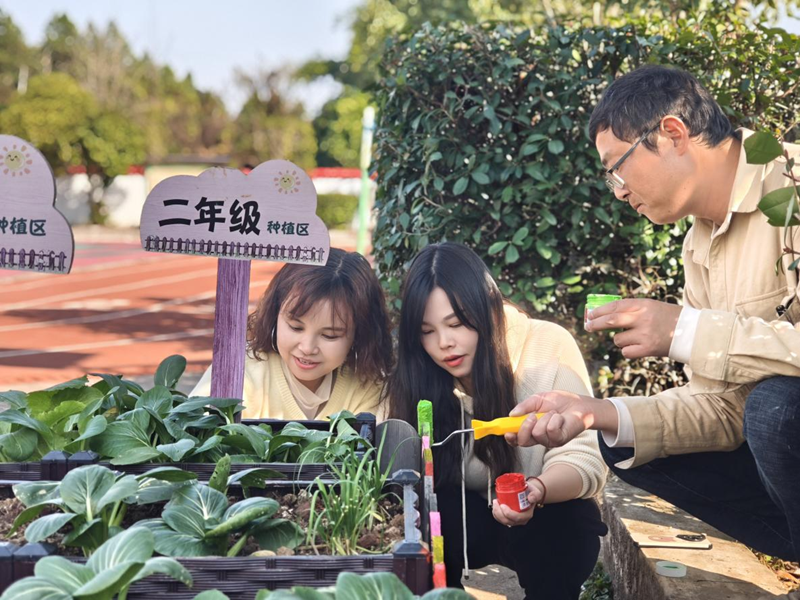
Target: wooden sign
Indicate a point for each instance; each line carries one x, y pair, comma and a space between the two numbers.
269, 214
34, 236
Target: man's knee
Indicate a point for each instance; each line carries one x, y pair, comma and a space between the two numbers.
772, 412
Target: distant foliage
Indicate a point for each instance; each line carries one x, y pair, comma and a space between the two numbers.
336, 210
338, 129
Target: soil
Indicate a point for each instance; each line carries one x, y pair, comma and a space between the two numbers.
297, 508
294, 507
10, 508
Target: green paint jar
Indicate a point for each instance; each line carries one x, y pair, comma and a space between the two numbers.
596, 300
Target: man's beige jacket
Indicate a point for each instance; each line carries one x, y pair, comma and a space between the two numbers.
740, 339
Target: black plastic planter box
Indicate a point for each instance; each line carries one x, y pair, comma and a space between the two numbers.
241, 577
56, 464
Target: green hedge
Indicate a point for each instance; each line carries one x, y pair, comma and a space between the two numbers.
482, 140
336, 210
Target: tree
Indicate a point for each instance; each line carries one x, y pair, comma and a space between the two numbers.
110, 145
168, 110
271, 125
214, 120
52, 115
69, 127
375, 21
15, 58
338, 129
173, 114
258, 135
371, 24
63, 48
108, 60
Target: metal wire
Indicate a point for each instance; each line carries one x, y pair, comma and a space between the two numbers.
457, 431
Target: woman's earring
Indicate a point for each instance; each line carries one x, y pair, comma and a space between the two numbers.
275, 339
355, 361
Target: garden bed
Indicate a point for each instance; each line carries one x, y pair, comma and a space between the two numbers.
241, 577
279, 538
236, 517
47, 433
295, 507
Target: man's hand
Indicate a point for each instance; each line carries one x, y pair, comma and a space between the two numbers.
567, 415
649, 325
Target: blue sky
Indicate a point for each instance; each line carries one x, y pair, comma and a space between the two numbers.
211, 39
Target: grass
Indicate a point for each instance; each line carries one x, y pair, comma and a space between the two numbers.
350, 507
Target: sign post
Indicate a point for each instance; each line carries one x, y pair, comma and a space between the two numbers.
269, 214
34, 236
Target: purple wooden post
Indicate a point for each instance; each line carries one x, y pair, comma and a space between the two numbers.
230, 328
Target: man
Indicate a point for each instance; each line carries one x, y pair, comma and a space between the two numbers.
725, 447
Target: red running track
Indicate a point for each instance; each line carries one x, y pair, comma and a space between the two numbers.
121, 310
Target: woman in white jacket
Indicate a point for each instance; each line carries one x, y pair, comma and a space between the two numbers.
473, 355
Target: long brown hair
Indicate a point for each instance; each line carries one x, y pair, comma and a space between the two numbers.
478, 304
348, 282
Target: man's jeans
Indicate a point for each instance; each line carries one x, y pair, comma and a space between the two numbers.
752, 493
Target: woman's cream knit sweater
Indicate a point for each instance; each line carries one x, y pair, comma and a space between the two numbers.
267, 394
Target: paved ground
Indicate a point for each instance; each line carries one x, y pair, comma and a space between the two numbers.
494, 583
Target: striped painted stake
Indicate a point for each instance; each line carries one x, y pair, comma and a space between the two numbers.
425, 427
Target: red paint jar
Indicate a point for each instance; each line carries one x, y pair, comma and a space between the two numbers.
512, 491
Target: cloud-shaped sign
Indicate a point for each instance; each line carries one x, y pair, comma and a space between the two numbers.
269, 214
34, 236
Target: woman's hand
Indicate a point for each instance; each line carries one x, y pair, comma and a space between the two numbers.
511, 518
535, 492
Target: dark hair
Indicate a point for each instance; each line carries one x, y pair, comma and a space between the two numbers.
356, 297
638, 100
478, 304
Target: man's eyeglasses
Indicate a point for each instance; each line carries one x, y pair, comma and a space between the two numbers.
612, 178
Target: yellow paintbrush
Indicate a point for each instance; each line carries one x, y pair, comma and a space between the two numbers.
499, 426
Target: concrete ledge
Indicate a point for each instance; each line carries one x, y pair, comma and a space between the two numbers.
728, 571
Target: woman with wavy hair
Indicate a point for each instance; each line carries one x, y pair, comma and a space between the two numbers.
319, 342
